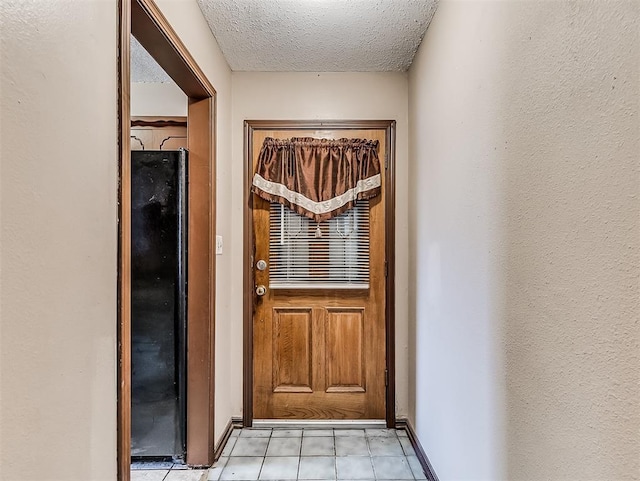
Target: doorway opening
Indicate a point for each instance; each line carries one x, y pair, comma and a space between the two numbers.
144, 20
312, 355
159, 211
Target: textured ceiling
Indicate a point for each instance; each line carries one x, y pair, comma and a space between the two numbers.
318, 35
143, 67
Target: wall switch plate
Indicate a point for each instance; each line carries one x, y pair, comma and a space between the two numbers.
218, 245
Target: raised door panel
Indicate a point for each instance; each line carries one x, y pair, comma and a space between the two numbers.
344, 350
292, 350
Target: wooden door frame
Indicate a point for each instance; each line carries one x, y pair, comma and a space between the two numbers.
389, 126
145, 21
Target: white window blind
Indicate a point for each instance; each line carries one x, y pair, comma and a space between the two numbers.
333, 254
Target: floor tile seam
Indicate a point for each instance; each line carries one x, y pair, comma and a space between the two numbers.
368, 445
413, 476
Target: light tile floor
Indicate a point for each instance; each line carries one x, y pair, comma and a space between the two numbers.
317, 454
167, 471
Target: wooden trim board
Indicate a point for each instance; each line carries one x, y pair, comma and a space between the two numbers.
156, 35
415, 442
201, 273
248, 283
390, 256
124, 245
234, 423
145, 21
248, 242
156, 121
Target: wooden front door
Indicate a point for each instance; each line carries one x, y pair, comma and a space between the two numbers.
318, 353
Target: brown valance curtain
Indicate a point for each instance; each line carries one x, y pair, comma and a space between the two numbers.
317, 178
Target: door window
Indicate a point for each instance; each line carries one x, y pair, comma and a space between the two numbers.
332, 254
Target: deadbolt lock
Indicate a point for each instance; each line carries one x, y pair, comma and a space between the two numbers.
261, 265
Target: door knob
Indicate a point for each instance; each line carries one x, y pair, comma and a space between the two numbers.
261, 265
261, 290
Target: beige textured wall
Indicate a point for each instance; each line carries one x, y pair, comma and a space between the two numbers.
157, 99
58, 187
306, 96
187, 20
524, 240
58, 232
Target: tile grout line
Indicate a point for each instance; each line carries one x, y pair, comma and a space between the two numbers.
264, 459
335, 452
300, 455
367, 439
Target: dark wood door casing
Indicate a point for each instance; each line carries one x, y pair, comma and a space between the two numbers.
389, 229
145, 21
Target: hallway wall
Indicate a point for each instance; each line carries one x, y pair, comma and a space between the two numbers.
59, 238
59, 233
157, 99
524, 228
309, 96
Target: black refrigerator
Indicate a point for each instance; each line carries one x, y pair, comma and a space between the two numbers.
158, 304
